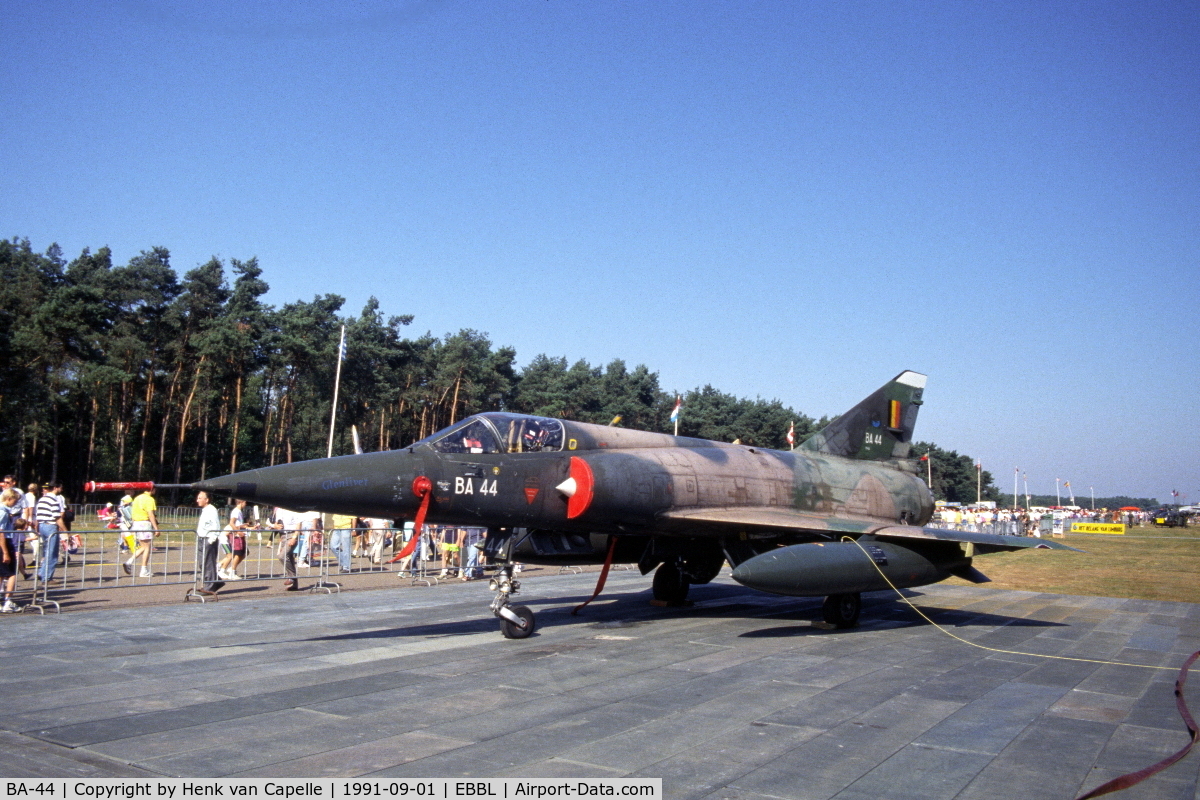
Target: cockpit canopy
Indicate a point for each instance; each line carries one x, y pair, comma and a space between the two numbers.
499, 432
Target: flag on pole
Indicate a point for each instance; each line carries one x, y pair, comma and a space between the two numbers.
337, 382
675, 412
791, 434
924, 457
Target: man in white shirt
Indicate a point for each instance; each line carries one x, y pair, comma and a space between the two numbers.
208, 541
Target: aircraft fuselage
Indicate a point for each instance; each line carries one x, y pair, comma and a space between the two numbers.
618, 481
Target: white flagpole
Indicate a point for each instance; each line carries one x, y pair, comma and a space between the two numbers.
337, 382
1016, 474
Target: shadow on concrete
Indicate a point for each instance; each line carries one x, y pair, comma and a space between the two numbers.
715, 601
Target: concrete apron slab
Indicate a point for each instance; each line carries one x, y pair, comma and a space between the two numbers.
740, 695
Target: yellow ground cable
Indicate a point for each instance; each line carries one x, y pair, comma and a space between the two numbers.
983, 646
1120, 782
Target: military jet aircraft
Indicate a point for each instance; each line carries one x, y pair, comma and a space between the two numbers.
831, 518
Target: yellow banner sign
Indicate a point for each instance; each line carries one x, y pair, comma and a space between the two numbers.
1096, 527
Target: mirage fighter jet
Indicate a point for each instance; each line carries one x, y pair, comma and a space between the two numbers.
831, 518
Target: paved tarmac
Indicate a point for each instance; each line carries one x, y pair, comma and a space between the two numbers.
739, 696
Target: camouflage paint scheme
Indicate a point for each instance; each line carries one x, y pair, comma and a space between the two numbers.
555, 491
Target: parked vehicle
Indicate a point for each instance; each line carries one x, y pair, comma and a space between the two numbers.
1168, 518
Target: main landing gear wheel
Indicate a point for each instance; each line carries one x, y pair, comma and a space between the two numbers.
512, 630
841, 610
670, 586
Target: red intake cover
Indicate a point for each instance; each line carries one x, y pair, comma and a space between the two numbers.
584, 483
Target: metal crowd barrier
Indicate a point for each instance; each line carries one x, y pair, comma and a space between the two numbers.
167, 515
1006, 527
95, 559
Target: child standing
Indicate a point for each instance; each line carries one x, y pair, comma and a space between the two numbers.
11, 527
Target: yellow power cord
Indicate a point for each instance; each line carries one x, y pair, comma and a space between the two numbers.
1118, 783
982, 646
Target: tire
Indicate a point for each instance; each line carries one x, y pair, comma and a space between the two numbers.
513, 631
669, 584
703, 567
841, 610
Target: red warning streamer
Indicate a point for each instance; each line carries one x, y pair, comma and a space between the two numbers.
1125, 781
608, 559
423, 488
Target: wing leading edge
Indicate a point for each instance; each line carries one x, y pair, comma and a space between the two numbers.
733, 519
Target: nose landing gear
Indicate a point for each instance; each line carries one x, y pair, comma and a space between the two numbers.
516, 622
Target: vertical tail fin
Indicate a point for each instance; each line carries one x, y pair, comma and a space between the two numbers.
878, 428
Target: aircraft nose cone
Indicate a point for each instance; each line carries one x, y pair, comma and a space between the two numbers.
370, 485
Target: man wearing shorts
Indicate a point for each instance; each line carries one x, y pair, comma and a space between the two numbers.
235, 552
450, 550
145, 527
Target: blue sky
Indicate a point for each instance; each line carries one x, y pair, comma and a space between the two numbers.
785, 200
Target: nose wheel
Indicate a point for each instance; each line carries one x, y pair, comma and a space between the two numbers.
516, 622
519, 629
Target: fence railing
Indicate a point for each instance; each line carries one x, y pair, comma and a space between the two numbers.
106, 558
167, 515
1006, 527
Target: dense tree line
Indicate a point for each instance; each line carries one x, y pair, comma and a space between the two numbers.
1120, 501
132, 373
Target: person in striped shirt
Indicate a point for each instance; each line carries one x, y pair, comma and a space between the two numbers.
49, 514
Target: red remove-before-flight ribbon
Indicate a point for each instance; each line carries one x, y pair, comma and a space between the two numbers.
423, 488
